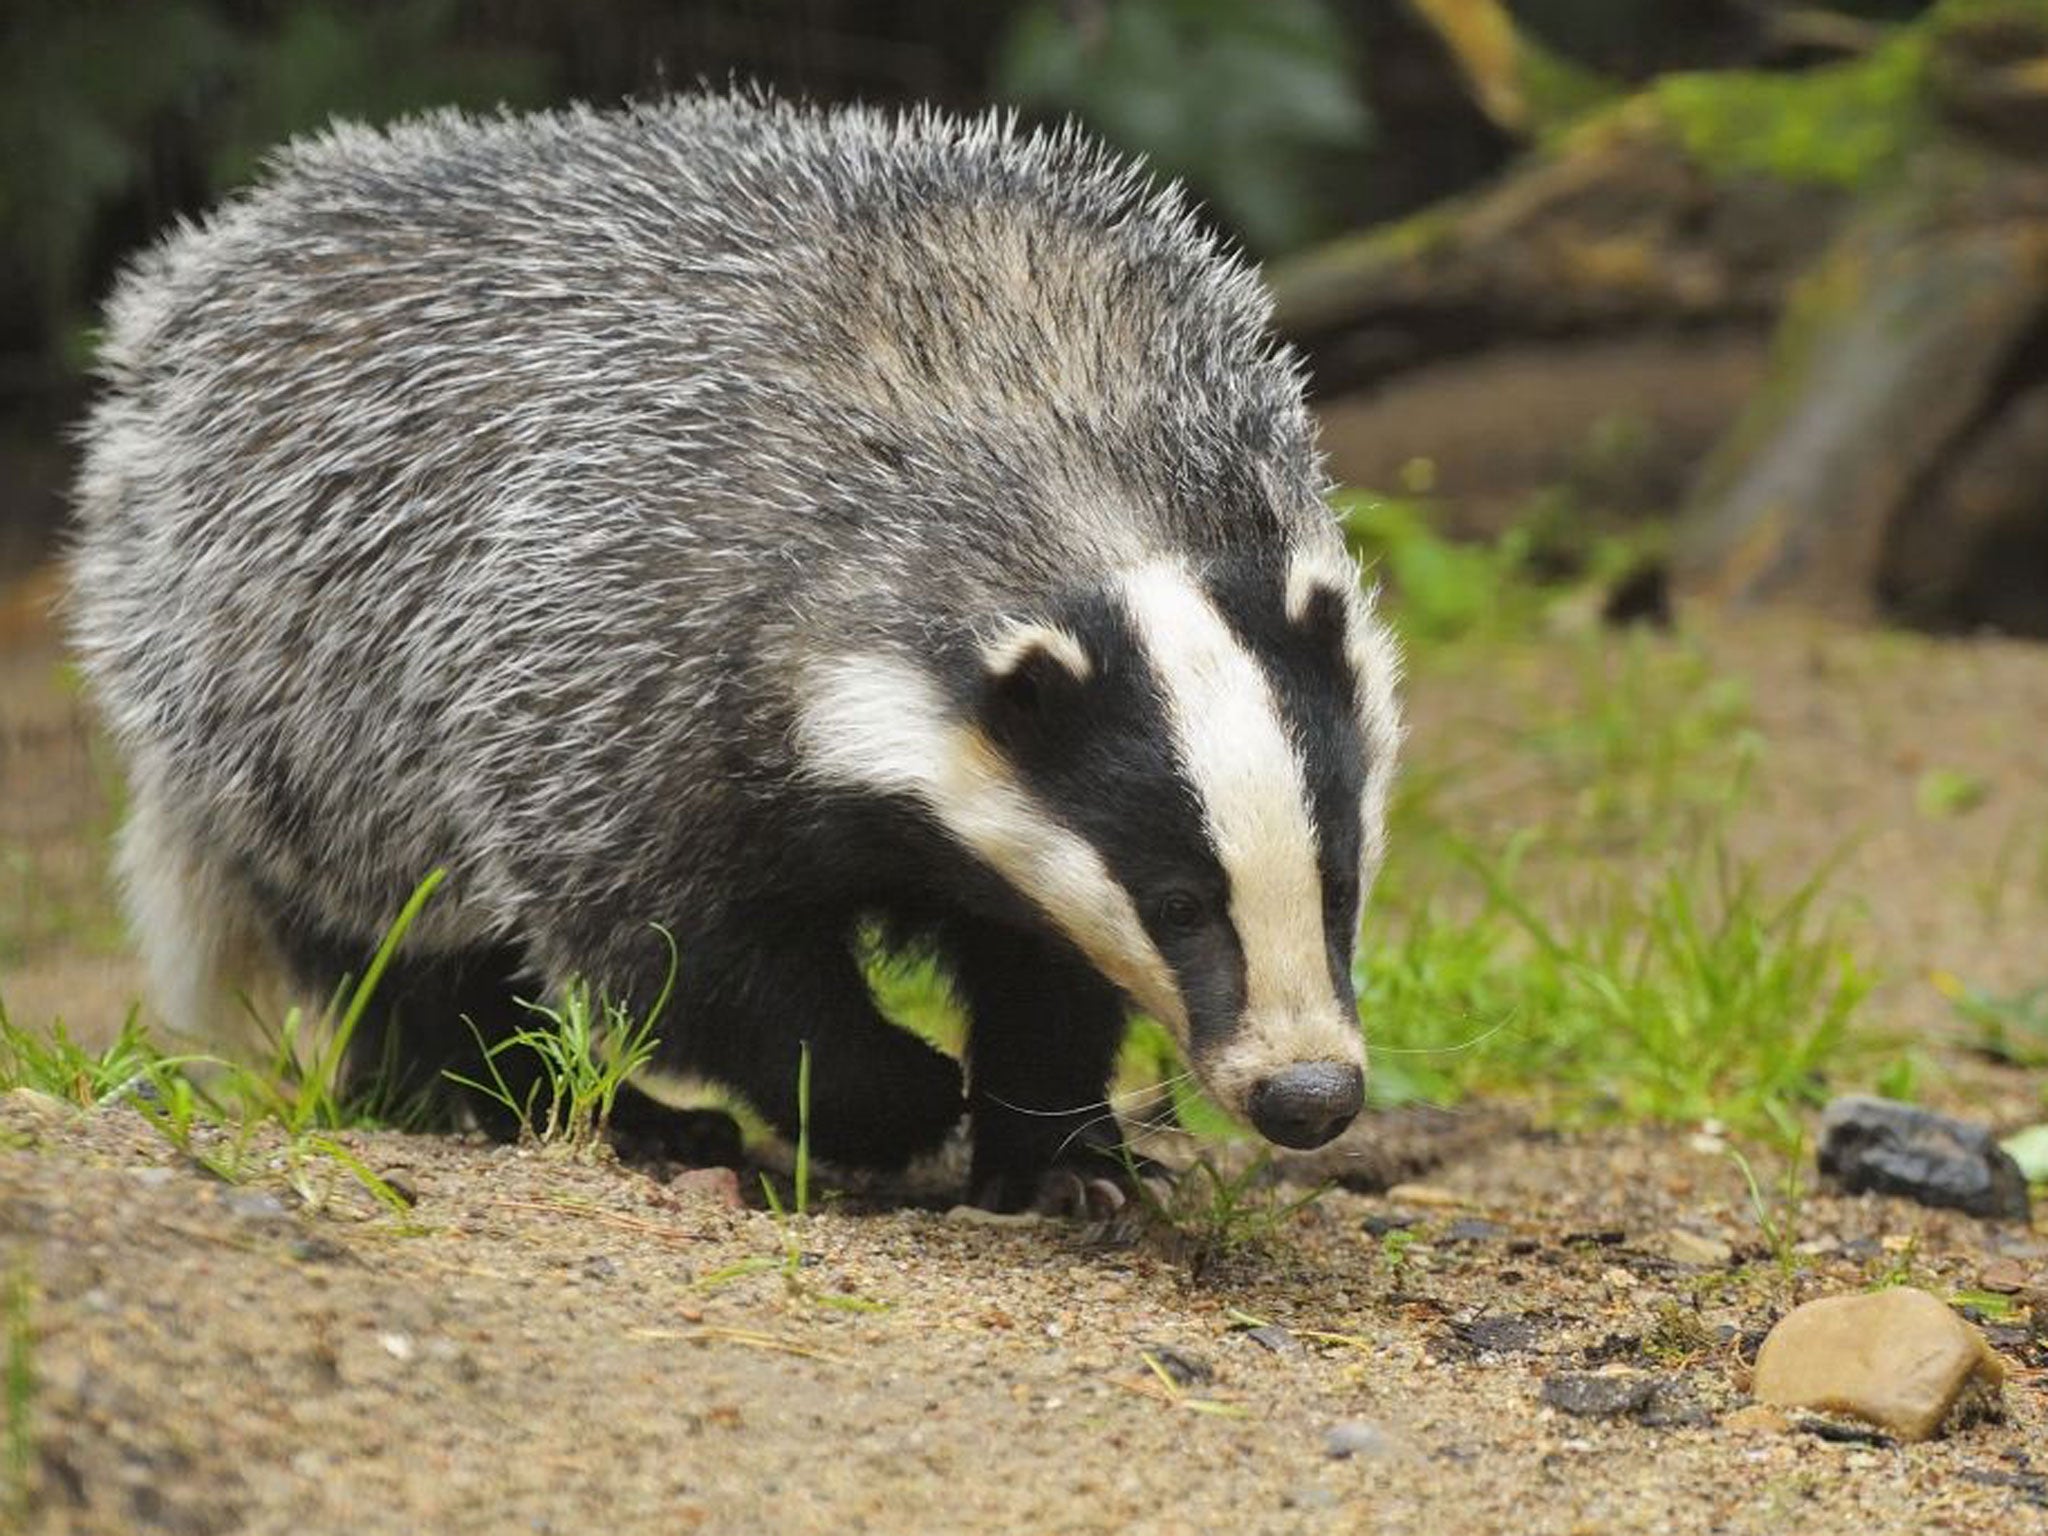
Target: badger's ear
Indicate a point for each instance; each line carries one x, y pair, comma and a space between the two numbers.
1319, 598
1027, 671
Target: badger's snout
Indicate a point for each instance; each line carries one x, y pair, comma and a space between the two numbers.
1307, 1105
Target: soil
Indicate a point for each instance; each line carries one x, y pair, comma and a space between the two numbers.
558, 1344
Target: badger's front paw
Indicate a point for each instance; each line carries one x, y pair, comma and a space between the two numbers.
1088, 1173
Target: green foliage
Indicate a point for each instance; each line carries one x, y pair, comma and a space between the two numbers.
1240, 98
588, 1047
2010, 1027
1778, 1218
1695, 996
791, 1261
1655, 747
303, 1091
1945, 792
912, 990
1214, 1215
218, 1113
1442, 590
1847, 125
55, 1064
2029, 1148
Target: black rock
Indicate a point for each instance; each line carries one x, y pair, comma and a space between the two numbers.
1503, 1334
1471, 1229
1177, 1365
1599, 1397
1271, 1336
1896, 1149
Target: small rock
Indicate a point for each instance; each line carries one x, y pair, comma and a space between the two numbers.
1595, 1237
1896, 1149
1355, 1437
318, 1250
1685, 1247
1177, 1365
1471, 1229
2007, 1277
1380, 1223
399, 1346
713, 1186
1502, 1334
1274, 1338
1899, 1359
1425, 1195
255, 1205
1757, 1419
1599, 1396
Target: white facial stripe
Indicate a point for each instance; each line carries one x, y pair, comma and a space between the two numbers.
1236, 750
876, 722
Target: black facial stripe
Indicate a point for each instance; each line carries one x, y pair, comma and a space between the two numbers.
1104, 764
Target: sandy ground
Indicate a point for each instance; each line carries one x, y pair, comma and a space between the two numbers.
562, 1346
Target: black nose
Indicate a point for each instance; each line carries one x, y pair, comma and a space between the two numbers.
1305, 1106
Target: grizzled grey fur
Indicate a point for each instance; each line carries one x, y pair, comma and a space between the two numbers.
475, 493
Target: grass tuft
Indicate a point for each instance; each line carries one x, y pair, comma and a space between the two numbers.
588, 1046
1213, 1215
1695, 997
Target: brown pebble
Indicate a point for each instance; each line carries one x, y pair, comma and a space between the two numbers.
1426, 1195
1899, 1359
715, 1186
2006, 1276
1757, 1419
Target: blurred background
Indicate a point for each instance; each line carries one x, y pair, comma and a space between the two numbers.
1618, 313
1712, 266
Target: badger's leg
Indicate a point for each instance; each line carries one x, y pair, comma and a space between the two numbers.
752, 1000
200, 930
441, 1017
1043, 1045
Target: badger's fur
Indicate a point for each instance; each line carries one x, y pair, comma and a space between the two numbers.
757, 521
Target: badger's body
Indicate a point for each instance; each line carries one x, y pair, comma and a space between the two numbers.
757, 522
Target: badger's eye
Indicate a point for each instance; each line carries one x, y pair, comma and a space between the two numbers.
1180, 912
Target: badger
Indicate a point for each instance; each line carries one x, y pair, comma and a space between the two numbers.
758, 522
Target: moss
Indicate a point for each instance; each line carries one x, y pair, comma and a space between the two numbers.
1847, 125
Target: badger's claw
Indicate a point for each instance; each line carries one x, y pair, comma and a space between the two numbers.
1069, 1194
1099, 1187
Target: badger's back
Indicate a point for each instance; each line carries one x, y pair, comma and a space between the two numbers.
473, 492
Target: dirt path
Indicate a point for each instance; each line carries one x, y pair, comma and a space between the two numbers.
549, 1345
551, 1351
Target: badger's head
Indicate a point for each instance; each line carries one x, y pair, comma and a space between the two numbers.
1187, 774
